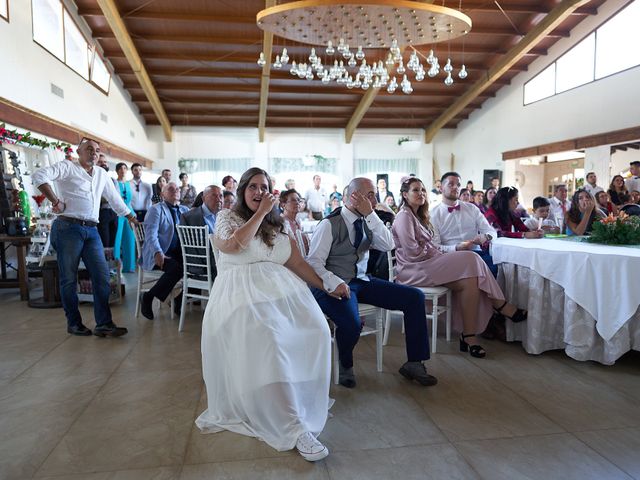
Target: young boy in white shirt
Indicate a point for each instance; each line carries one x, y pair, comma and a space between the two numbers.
541, 218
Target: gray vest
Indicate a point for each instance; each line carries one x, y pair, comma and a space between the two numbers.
343, 257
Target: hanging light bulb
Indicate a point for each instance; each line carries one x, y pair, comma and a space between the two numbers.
359, 53
430, 57
390, 63
312, 56
309, 75
330, 50
341, 45
261, 61
420, 75
325, 77
284, 58
352, 61
346, 53
448, 81
393, 85
401, 68
448, 68
294, 68
277, 63
463, 72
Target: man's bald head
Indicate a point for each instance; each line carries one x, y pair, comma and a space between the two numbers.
212, 198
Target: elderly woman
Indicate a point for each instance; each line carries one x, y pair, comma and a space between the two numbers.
503, 217
421, 263
187, 192
582, 213
289, 202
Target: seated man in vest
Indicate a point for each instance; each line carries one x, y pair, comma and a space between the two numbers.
338, 253
161, 249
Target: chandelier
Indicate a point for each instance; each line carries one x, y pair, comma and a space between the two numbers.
340, 31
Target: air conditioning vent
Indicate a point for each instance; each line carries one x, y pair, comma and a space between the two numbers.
132, 134
56, 90
104, 117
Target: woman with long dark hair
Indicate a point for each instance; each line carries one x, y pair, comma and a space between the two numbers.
266, 346
501, 216
582, 213
160, 184
617, 187
421, 263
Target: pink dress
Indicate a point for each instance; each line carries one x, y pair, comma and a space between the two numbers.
421, 263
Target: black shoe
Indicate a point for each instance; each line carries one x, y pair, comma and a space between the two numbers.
109, 330
518, 316
417, 371
346, 378
79, 330
474, 350
146, 305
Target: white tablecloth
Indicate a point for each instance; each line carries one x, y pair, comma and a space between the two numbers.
603, 280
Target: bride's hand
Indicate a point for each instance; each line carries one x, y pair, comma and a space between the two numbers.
266, 204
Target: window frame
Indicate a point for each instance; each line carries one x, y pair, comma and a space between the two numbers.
90, 48
583, 38
6, 19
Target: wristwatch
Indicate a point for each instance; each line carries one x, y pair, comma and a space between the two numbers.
489, 237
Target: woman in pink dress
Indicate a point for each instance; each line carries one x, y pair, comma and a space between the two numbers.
421, 263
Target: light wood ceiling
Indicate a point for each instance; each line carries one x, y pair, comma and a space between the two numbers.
201, 55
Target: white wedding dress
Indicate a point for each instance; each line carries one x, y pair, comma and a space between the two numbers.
266, 346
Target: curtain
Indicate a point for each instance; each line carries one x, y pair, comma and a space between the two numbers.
404, 166
220, 164
320, 165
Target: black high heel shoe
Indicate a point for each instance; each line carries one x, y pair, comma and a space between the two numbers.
519, 315
474, 350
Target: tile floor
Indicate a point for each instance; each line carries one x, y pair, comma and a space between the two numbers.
123, 409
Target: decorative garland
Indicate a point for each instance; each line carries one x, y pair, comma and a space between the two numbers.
26, 138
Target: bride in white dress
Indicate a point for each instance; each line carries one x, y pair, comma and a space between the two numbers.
266, 346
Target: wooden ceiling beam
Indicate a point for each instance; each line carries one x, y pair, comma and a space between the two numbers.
113, 18
540, 7
540, 31
267, 46
143, 14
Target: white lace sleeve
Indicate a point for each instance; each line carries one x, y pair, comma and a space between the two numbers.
226, 224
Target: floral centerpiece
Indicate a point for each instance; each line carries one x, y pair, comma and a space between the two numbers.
616, 230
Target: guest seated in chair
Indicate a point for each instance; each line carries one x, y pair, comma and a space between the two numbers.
503, 218
582, 213
541, 218
604, 203
339, 252
629, 206
161, 249
461, 225
421, 262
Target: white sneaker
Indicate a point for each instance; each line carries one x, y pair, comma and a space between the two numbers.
310, 448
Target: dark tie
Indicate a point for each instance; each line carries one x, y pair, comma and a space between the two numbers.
357, 225
175, 216
451, 209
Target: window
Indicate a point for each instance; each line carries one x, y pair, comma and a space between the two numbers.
4, 9
55, 29
75, 47
48, 28
618, 40
610, 49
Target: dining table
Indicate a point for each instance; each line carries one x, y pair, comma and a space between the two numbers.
581, 297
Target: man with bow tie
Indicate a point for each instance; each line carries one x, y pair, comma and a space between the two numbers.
338, 253
161, 249
461, 225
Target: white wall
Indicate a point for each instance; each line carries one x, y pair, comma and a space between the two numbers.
503, 123
28, 71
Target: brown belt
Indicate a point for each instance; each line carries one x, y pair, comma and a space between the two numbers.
84, 223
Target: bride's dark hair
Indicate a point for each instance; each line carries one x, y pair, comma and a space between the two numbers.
272, 222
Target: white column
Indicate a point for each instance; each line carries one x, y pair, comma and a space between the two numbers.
598, 159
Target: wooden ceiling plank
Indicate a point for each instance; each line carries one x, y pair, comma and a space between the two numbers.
111, 14
267, 47
143, 14
540, 31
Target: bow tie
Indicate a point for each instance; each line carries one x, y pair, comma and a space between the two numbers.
451, 209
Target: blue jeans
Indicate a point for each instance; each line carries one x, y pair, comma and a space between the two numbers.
73, 242
384, 294
486, 256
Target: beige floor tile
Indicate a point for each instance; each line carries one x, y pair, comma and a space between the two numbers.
542, 457
168, 351
139, 420
620, 446
18, 352
429, 462
163, 473
567, 396
624, 376
288, 468
35, 415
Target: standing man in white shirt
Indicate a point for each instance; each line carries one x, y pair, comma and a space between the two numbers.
141, 193
317, 199
591, 186
633, 183
559, 205
74, 235
339, 253
461, 225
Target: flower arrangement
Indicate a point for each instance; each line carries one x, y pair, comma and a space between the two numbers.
26, 138
616, 230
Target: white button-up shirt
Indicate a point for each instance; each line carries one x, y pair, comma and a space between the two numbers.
80, 191
459, 225
323, 239
141, 200
555, 209
632, 184
317, 200
593, 190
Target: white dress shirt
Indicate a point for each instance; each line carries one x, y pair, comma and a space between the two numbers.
323, 238
593, 190
141, 200
555, 209
317, 200
80, 191
632, 184
459, 225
